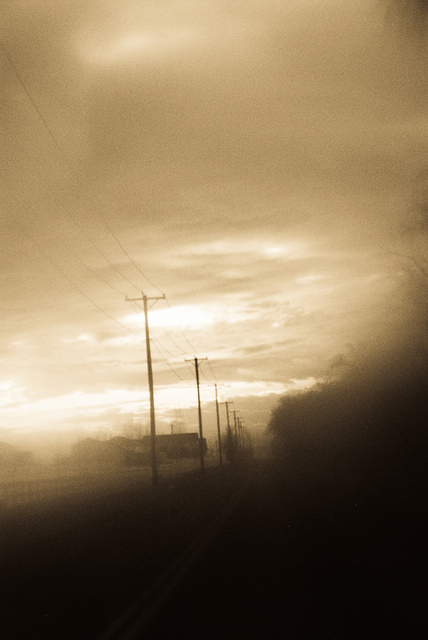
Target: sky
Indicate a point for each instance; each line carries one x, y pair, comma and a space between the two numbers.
253, 161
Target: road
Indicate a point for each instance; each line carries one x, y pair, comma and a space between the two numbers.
298, 564
244, 554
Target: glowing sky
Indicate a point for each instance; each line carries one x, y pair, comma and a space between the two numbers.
251, 160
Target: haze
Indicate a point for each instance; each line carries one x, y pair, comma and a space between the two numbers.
253, 161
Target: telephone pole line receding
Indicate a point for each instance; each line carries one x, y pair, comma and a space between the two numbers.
145, 299
218, 427
201, 443
230, 444
235, 423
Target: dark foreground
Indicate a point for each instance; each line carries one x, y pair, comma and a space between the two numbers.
244, 553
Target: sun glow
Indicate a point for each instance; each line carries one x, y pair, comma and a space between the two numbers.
10, 393
137, 43
291, 250
82, 408
181, 317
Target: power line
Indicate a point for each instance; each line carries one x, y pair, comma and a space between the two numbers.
168, 352
182, 352
182, 332
135, 302
186, 339
163, 348
180, 349
159, 348
74, 221
74, 284
205, 377
65, 159
30, 97
85, 295
78, 258
211, 369
127, 254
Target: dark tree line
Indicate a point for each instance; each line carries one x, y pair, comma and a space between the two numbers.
370, 419
371, 424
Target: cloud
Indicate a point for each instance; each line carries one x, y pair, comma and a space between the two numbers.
251, 160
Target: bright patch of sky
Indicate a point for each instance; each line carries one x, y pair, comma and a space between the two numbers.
54, 411
254, 161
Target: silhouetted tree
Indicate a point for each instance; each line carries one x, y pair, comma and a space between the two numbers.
371, 416
411, 14
370, 423
133, 428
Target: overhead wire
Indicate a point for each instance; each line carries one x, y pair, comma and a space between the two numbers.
168, 334
81, 228
193, 350
211, 369
79, 289
29, 96
159, 349
204, 375
109, 229
64, 158
61, 271
77, 257
169, 352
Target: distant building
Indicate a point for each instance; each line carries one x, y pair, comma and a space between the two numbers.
120, 451
175, 446
135, 453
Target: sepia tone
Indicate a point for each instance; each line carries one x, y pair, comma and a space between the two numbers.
214, 272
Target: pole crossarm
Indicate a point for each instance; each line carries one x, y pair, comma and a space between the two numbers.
162, 297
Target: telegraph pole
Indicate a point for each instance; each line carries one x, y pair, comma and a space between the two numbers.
201, 444
240, 432
218, 427
145, 299
235, 422
229, 433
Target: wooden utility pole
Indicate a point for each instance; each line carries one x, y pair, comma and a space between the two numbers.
201, 442
145, 300
235, 422
229, 433
240, 433
218, 427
